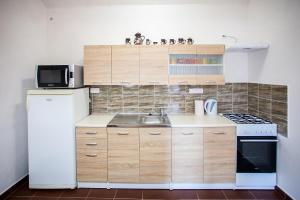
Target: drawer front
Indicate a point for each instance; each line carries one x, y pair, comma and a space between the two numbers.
187, 155
91, 165
123, 155
92, 143
91, 133
219, 155
155, 155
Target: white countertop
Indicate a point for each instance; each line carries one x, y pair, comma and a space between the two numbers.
96, 120
190, 120
180, 120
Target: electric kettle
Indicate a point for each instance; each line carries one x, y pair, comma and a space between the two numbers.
211, 107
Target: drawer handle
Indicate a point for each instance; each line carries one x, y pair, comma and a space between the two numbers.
91, 133
125, 82
218, 133
211, 81
123, 133
97, 83
91, 155
191, 133
182, 82
155, 133
91, 144
154, 82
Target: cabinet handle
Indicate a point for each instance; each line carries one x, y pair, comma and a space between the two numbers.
125, 82
91, 133
211, 81
91, 155
97, 83
154, 82
91, 144
191, 133
182, 82
124, 133
155, 133
218, 133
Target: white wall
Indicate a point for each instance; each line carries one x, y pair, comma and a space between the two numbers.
78, 24
22, 45
277, 21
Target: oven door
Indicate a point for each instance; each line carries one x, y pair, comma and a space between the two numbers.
256, 154
56, 76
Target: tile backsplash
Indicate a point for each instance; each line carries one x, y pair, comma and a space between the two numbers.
269, 101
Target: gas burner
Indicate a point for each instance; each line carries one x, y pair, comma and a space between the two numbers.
246, 119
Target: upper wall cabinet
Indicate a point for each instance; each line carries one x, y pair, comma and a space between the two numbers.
154, 65
125, 65
97, 65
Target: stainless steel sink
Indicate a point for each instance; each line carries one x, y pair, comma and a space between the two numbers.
139, 120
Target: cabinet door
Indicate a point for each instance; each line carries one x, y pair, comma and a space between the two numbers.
154, 65
210, 80
155, 155
182, 79
123, 155
219, 155
125, 65
97, 65
214, 49
91, 154
187, 155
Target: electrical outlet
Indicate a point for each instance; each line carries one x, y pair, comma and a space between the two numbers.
95, 90
196, 90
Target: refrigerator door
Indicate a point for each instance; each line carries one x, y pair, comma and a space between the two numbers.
51, 141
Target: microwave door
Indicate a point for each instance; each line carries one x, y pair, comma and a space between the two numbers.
53, 76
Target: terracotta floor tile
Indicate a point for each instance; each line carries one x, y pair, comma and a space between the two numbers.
157, 194
24, 191
266, 194
238, 194
75, 193
48, 193
129, 194
102, 193
210, 194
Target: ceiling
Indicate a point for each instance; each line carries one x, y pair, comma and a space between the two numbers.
76, 3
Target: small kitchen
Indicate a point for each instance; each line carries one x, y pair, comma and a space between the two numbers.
155, 114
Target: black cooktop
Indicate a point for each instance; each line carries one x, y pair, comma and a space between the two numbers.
246, 119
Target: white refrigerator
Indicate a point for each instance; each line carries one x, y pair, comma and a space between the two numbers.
52, 115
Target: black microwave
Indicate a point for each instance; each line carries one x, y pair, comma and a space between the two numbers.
59, 76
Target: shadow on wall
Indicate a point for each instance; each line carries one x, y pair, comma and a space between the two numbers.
20, 127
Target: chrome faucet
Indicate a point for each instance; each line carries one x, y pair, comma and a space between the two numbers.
163, 112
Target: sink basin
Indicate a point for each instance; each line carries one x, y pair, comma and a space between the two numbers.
139, 120
153, 119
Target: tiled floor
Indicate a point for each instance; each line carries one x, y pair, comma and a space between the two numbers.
22, 192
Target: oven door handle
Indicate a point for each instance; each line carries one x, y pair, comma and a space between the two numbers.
259, 140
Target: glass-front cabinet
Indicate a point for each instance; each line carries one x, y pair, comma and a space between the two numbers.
197, 64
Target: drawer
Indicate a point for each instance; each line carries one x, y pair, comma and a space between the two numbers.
91, 132
91, 165
91, 143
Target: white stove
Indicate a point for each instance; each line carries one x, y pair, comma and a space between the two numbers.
256, 151
251, 125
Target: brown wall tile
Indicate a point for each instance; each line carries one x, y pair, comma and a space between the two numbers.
265, 91
279, 110
253, 89
279, 93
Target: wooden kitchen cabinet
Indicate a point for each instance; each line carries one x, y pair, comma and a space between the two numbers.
123, 155
211, 49
187, 155
155, 155
91, 154
97, 65
219, 155
125, 64
154, 65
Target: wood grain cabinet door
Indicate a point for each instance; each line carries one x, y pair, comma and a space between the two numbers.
211, 49
155, 155
123, 155
219, 155
154, 65
125, 65
97, 65
91, 154
187, 155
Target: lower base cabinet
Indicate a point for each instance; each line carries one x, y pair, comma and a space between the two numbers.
123, 155
155, 155
219, 155
91, 154
187, 155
